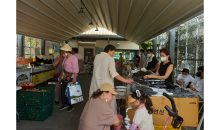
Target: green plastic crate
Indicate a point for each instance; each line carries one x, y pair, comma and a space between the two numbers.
35, 113
38, 99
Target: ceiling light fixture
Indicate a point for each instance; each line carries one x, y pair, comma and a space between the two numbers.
91, 23
81, 11
96, 29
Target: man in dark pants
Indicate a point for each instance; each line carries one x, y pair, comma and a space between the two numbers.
152, 61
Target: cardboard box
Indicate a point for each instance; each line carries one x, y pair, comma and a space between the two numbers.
187, 108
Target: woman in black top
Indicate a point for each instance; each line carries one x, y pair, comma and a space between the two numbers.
165, 70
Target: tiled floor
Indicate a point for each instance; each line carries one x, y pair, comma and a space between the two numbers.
62, 120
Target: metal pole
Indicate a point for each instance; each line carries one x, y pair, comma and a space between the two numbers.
200, 122
155, 46
42, 47
20, 45
196, 52
186, 36
178, 49
172, 44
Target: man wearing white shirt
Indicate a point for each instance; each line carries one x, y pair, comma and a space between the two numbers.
184, 79
198, 84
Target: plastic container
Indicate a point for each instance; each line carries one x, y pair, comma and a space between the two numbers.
160, 127
28, 87
38, 99
35, 113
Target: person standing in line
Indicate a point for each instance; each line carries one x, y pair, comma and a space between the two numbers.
142, 63
105, 72
137, 61
152, 61
120, 64
58, 67
71, 69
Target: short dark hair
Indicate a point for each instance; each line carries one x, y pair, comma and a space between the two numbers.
185, 70
137, 56
109, 48
150, 50
201, 68
75, 49
121, 54
142, 50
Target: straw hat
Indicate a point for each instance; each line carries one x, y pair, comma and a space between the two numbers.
108, 87
66, 47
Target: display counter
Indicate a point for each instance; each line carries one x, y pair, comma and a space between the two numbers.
187, 105
35, 75
42, 75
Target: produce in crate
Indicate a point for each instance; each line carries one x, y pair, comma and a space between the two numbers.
35, 90
27, 83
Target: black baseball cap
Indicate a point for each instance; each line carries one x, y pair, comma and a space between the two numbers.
185, 70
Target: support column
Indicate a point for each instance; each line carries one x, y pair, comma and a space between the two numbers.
20, 45
42, 47
171, 46
172, 43
154, 46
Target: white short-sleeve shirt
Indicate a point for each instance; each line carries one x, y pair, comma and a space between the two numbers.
142, 119
185, 80
198, 84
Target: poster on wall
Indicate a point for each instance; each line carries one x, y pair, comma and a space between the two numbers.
98, 50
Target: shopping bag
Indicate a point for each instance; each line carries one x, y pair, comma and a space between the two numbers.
74, 93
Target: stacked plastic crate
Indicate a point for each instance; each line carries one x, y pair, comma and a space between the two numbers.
35, 106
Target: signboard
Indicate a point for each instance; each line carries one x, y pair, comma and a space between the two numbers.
23, 76
42, 77
98, 50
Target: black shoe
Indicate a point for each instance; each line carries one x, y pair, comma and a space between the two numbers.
63, 107
57, 102
70, 108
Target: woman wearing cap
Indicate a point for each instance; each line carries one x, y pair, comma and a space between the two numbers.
165, 70
143, 115
97, 113
71, 68
184, 79
105, 72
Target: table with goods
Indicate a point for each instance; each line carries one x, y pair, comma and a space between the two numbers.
34, 74
186, 101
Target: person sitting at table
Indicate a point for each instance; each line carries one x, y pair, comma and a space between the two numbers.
184, 79
143, 115
198, 84
97, 113
152, 61
165, 70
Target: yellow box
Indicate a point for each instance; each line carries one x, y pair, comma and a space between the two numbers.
187, 109
160, 127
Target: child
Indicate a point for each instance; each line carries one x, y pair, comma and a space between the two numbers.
143, 115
